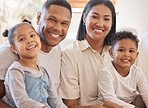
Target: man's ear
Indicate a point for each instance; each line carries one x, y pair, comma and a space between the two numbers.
111, 52
38, 17
13, 49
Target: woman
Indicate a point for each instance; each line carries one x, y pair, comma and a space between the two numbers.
84, 59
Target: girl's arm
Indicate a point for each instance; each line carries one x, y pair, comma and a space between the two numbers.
54, 100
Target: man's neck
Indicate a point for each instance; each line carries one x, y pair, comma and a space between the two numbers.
45, 48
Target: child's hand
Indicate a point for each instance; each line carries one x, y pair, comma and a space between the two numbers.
44, 107
111, 105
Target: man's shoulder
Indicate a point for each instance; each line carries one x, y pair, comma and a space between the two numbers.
5, 50
4, 45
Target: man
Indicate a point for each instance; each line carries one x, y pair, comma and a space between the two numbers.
52, 25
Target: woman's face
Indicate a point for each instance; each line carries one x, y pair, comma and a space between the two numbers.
98, 22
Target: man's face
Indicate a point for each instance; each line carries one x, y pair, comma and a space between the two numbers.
53, 25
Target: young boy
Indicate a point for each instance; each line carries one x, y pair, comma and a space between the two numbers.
120, 81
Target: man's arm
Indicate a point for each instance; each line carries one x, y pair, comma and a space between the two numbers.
2, 93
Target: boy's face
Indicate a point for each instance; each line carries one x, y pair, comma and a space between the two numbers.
124, 54
53, 25
26, 42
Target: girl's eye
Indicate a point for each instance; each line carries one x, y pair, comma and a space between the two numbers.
32, 35
22, 39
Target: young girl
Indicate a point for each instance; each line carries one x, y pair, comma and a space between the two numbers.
120, 81
27, 84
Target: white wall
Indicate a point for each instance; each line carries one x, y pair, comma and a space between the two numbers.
133, 13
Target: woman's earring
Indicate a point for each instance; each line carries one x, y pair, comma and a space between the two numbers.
83, 23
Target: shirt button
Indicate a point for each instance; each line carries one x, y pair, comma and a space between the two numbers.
41, 77
42, 91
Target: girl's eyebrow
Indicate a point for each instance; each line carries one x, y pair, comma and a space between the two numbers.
19, 36
24, 34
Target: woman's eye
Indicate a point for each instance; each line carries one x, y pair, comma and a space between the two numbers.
107, 19
94, 16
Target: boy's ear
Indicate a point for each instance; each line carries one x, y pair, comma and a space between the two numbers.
111, 52
137, 54
13, 49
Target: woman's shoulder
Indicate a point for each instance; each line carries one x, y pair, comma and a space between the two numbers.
73, 47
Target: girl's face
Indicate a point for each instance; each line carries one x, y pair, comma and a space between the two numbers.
124, 54
98, 22
26, 42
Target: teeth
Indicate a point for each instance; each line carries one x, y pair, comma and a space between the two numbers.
98, 30
31, 47
125, 60
54, 35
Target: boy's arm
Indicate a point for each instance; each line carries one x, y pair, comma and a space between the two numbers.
2, 93
106, 88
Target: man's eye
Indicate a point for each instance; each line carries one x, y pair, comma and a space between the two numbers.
51, 20
65, 24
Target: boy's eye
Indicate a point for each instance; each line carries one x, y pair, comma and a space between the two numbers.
131, 51
121, 50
